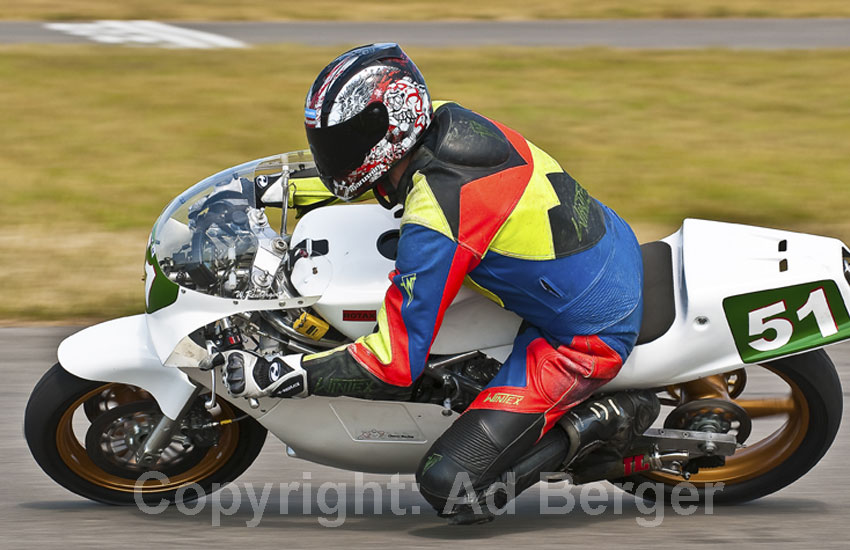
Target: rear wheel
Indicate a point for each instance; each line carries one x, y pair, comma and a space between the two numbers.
84, 435
802, 420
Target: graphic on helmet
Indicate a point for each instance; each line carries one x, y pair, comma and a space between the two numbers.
366, 110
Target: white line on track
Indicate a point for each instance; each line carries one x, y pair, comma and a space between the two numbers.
146, 33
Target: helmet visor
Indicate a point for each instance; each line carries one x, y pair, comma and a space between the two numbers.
340, 149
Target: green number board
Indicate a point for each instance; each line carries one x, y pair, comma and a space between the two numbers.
781, 321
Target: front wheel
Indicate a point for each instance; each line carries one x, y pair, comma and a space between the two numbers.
84, 435
801, 421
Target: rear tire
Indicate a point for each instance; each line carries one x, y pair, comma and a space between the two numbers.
816, 390
63, 457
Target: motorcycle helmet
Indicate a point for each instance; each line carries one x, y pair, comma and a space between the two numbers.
366, 110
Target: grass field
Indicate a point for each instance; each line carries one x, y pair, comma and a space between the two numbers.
374, 10
95, 141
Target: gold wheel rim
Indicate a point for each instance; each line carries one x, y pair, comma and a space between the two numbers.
117, 394
74, 455
758, 458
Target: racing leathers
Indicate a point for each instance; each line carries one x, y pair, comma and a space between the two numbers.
486, 208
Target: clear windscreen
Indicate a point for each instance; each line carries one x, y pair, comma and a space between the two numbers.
215, 237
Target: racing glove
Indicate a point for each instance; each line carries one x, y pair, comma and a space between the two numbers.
246, 374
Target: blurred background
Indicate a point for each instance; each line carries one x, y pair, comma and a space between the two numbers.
95, 139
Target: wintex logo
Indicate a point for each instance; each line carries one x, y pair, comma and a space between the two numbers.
342, 386
504, 399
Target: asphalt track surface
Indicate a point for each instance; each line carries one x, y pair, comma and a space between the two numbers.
37, 513
664, 34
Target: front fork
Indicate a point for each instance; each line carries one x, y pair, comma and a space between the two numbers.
163, 432
228, 337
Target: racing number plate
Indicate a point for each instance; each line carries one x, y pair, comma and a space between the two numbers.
787, 320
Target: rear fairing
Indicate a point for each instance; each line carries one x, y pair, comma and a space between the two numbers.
731, 283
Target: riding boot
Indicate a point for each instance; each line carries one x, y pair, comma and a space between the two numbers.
613, 420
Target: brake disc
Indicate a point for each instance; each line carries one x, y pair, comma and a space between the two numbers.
115, 436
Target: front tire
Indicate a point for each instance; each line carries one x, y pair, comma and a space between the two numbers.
51, 428
813, 414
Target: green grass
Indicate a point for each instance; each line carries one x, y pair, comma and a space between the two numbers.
95, 141
374, 10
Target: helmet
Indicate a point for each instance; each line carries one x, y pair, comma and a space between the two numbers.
366, 110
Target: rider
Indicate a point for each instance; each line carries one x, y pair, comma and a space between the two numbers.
485, 207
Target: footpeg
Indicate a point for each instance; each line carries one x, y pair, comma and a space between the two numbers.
695, 443
673, 452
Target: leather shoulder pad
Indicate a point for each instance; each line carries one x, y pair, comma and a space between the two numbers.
466, 138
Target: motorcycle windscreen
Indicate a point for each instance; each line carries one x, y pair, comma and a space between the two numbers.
214, 239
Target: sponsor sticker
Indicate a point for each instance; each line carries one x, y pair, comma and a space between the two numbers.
310, 115
634, 464
360, 315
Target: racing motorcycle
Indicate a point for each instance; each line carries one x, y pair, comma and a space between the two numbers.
734, 325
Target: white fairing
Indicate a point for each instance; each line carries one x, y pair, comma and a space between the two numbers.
359, 278
377, 437
711, 261
121, 351
135, 350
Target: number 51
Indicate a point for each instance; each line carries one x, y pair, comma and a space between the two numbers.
816, 305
